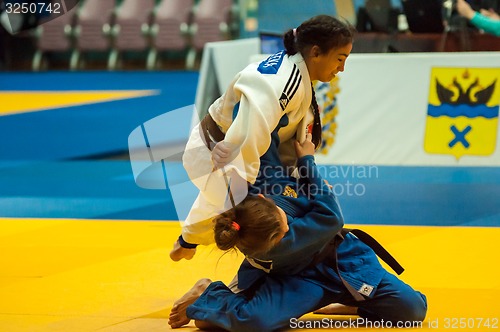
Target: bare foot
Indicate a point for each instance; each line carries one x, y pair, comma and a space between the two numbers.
179, 252
337, 309
178, 315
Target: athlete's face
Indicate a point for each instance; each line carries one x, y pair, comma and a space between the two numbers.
325, 66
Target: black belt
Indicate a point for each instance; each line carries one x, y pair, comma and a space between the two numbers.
377, 247
330, 250
211, 134
210, 131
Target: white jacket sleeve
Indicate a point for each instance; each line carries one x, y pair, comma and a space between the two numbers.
258, 115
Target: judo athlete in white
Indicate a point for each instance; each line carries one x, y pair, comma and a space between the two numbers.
240, 122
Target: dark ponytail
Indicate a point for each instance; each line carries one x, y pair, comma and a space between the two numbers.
289, 42
316, 129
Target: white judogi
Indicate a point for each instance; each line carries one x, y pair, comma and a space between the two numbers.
248, 112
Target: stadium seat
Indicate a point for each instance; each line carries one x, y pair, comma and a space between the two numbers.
53, 36
130, 28
169, 29
92, 28
212, 21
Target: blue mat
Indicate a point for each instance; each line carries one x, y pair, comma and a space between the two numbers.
440, 196
88, 130
79, 189
43, 172
433, 196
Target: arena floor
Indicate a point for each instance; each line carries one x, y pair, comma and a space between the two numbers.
115, 275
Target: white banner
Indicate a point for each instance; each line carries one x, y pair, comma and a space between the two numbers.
396, 109
418, 109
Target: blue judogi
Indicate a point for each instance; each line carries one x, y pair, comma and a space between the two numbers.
283, 284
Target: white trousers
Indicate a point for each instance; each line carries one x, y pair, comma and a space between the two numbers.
213, 198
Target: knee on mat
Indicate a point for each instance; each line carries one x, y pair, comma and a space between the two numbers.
411, 308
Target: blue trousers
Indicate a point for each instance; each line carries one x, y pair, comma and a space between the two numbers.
279, 298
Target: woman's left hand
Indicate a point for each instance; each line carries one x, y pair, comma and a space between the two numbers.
305, 148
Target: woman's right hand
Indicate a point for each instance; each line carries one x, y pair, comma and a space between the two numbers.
222, 154
305, 148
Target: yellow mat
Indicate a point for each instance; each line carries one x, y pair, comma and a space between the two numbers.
98, 275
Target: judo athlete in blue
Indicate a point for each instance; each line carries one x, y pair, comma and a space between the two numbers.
290, 268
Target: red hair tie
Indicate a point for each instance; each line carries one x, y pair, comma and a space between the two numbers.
235, 225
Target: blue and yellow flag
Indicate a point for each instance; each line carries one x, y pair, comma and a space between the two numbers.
462, 116
326, 97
